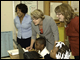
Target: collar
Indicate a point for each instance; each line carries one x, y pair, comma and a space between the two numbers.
26, 15
43, 52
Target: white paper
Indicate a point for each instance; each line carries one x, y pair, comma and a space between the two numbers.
15, 51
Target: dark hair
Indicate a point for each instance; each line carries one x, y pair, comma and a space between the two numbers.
63, 50
22, 7
41, 40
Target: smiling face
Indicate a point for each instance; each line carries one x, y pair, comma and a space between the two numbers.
53, 52
19, 13
36, 21
60, 16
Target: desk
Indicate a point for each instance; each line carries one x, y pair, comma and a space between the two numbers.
17, 56
14, 56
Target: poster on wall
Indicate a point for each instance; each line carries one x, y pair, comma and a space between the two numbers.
32, 5
75, 5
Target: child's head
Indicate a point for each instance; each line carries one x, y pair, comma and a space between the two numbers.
40, 43
60, 51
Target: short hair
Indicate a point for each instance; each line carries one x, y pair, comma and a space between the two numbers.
63, 51
41, 40
22, 7
67, 11
37, 14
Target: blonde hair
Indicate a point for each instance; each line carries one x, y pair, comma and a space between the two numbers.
67, 11
37, 14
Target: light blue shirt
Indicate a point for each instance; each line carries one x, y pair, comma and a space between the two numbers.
24, 28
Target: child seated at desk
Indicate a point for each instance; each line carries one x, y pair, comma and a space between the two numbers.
40, 46
60, 51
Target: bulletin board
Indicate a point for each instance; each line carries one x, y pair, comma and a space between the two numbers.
32, 5
75, 6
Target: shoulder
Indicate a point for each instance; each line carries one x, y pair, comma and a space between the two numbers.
75, 20
48, 19
27, 16
32, 24
16, 18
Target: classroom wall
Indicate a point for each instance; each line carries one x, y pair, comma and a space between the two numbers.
41, 5
6, 16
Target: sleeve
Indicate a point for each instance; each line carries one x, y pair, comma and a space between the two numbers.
14, 23
54, 29
76, 24
34, 33
28, 24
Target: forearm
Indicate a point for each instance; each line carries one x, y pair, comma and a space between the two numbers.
32, 42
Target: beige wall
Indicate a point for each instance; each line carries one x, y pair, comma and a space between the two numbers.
41, 5
6, 16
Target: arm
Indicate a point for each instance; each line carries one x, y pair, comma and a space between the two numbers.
76, 24
31, 45
54, 30
28, 23
33, 37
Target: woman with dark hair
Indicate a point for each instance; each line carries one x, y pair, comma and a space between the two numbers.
66, 14
23, 24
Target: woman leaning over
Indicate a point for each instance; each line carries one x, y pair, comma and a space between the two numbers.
45, 26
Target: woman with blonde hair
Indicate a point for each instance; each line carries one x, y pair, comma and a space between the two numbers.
66, 14
44, 26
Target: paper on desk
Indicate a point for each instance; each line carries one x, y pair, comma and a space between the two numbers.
25, 50
15, 51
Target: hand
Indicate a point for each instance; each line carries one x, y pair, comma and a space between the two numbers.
29, 48
36, 50
56, 41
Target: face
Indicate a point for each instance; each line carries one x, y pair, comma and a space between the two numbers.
53, 52
19, 13
36, 21
60, 16
37, 45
